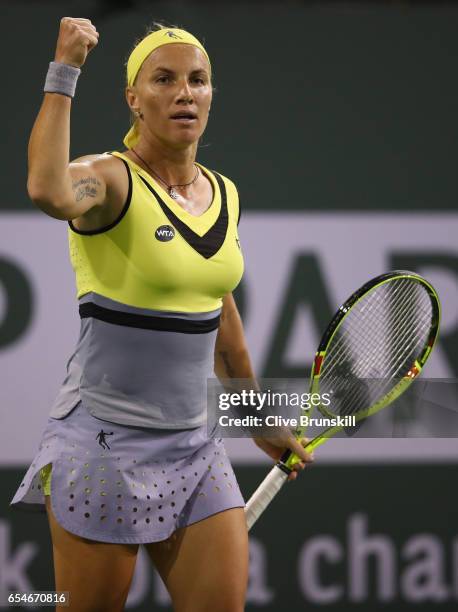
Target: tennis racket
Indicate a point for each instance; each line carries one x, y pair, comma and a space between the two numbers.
373, 349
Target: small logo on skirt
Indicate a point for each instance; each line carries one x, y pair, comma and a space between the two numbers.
101, 438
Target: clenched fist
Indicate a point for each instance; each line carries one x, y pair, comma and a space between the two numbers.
77, 36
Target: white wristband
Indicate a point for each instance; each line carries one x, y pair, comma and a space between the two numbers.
61, 78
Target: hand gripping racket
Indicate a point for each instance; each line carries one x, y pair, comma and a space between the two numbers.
373, 349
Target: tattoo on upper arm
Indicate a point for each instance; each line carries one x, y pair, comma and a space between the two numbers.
229, 369
85, 188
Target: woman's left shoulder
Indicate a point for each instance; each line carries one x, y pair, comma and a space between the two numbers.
214, 171
230, 184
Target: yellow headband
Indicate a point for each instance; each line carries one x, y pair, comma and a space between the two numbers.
144, 48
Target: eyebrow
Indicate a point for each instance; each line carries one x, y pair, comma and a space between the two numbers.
163, 69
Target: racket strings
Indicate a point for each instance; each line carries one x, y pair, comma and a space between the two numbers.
382, 334
379, 386
361, 393
366, 334
371, 339
341, 338
358, 393
408, 335
408, 340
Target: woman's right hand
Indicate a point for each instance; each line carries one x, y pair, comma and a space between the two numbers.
276, 445
77, 36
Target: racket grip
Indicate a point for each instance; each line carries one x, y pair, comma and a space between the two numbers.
264, 494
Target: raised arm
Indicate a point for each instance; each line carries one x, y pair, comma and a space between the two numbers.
62, 189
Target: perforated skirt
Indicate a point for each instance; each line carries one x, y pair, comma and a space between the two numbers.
123, 484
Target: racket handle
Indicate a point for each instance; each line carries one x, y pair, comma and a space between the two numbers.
264, 494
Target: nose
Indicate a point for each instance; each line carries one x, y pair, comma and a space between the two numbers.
184, 93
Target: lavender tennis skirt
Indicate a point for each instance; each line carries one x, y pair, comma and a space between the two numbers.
121, 484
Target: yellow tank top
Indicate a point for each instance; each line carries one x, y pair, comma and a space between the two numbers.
157, 255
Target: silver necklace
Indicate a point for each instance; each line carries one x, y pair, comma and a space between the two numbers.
170, 188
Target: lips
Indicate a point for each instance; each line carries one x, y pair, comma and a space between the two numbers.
184, 116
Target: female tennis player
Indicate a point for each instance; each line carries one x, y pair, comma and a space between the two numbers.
126, 458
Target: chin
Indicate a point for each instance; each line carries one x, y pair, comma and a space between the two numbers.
184, 140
